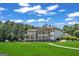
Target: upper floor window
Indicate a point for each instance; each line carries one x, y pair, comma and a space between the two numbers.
43, 36
48, 31
43, 32
51, 35
39, 32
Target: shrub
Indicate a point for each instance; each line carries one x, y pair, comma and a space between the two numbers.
77, 39
70, 38
76, 33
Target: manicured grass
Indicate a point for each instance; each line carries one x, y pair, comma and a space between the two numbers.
35, 49
74, 44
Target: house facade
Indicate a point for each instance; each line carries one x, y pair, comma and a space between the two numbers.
56, 33
43, 34
31, 35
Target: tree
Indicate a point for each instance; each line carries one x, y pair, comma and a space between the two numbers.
13, 31
76, 33
71, 29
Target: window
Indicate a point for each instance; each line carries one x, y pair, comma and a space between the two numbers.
39, 32
43, 36
51, 35
39, 36
48, 31
43, 32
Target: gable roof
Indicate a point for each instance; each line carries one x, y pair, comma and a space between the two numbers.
31, 30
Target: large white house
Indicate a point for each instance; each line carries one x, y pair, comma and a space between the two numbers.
44, 34
56, 33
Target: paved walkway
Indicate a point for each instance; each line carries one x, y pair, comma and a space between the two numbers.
63, 46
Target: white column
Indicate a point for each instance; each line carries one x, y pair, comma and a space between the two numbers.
34, 37
30, 37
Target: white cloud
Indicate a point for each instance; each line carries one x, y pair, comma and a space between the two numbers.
39, 20
73, 22
40, 11
23, 10
62, 10
52, 13
72, 16
52, 7
45, 12
39, 15
49, 18
42, 20
37, 9
3, 21
28, 21
75, 14
59, 24
68, 19
31, 20
24, 4
27, 9
2, 9
17, 21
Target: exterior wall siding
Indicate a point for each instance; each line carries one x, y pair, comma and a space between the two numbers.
44, 34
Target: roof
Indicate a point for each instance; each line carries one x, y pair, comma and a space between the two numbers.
49, 28
44, 28
57, 28
31, 30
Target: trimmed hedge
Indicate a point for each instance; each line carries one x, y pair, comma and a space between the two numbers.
70, 38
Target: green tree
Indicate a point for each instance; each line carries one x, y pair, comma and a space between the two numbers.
76, 33
71, 29
13, 31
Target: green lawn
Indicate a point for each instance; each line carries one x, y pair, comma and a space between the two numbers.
69, 44
37, 49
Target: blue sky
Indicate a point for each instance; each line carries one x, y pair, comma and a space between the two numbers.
37, 14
